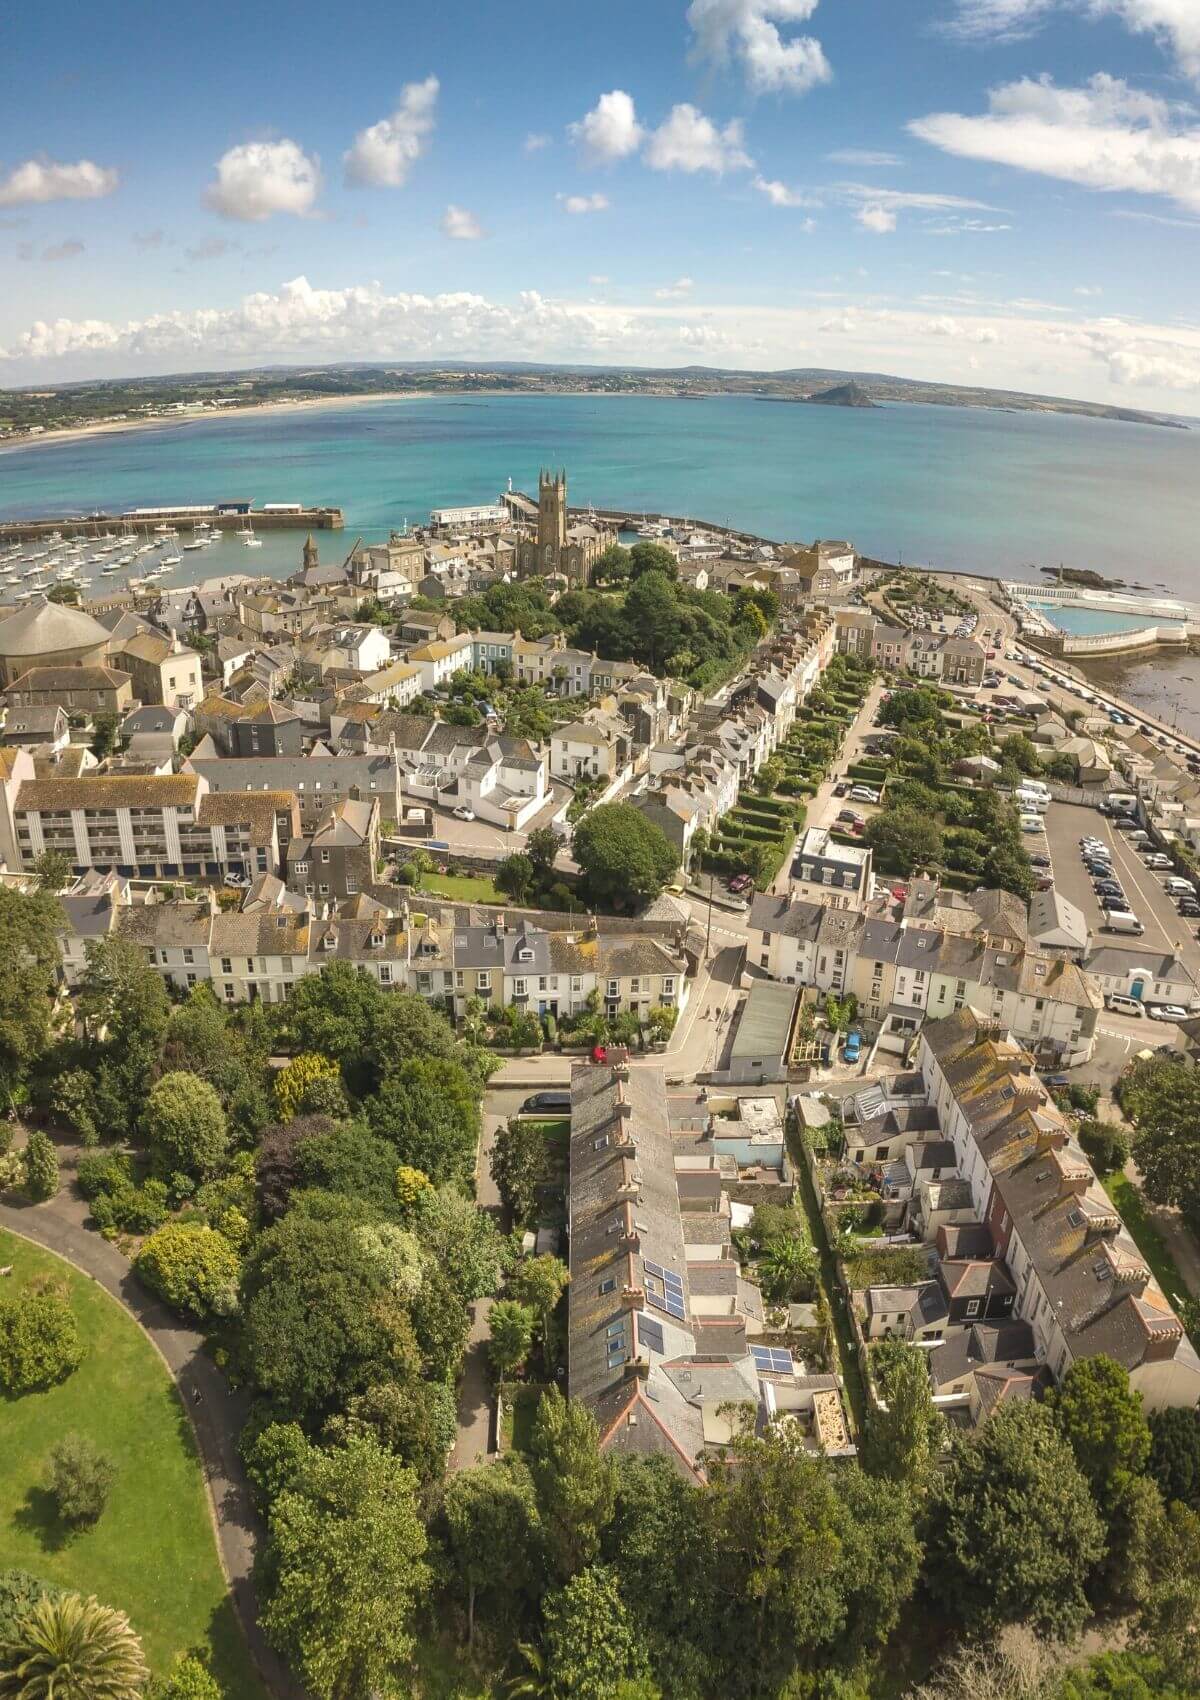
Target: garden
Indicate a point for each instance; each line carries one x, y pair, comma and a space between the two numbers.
101, 1491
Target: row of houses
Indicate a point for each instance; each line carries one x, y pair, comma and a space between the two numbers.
928, 655
551, 964
1032, 1268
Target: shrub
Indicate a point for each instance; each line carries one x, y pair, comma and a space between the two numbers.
294, 1085
79, 1479
41, 1167
188, 1680
103, 1171
185, 1124
39, 1342
192, 1267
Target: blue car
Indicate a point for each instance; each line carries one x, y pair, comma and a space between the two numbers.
853, 1048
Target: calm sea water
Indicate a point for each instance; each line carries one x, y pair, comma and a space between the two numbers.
1087, 622
988, 491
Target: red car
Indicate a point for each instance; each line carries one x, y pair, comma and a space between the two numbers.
739, 882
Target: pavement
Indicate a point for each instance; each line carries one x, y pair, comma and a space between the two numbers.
473, 1441
216, 1412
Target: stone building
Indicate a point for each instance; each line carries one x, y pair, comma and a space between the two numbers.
570, 551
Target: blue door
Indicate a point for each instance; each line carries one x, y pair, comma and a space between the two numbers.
1137, 988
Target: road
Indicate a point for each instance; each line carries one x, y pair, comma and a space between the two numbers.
215, 1412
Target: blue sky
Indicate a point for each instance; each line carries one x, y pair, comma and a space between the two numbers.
989, 191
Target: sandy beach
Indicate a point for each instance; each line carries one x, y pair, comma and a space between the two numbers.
119, 427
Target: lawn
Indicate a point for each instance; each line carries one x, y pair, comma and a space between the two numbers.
464, 888
153, 1553
1147, 1237
521, 1400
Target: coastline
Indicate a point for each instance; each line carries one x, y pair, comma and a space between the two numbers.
120, 427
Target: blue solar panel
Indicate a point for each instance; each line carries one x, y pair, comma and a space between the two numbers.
675, 1307
672, 1283
658, 1302
772, 1359
654, 1269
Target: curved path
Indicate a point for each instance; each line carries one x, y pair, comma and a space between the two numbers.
216, 1412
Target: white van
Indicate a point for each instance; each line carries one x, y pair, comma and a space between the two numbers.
1037, 787
1118, 801
1123, 1005
1122, 921
1032, 800
1031, 823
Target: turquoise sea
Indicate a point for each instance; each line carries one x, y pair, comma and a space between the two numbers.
989, 491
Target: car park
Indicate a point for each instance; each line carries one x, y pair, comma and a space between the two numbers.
1166, 1012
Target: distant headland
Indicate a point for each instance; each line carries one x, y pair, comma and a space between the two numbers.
121, 404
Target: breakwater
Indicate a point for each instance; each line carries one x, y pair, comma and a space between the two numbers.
144, 522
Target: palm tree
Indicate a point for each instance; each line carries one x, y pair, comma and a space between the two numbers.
787, 1265
533, 1683
69, 1648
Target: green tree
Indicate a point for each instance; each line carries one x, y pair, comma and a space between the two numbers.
415, 1420
590, 1643
1107, 1144
652, 558
188, 1679
78, 1479
1162, 1097
1011, 1532
515, 877
320, 1322
120, 992
539, 1282
518, 1165
275, 1456
350, 1159
441, 1320
40, 1167
69, 1648
1175, 1454
39, 1342
511, 1328
1022, 752
1119, 1676
542, 847
461, 1240
903, 840
1101, 1418
29, 960
575, 1484
625, 858
492, 1525
788, 1269
185, 1125
878, 1563
1169, 1620
104, 735
905, 1434
347, 1553
428, 1109
294, 1084
612, 566
52, 871
192, 1267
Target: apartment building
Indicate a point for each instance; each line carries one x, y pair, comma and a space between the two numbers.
824, 871
340, 856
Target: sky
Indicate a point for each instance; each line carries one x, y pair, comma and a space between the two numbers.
996, 192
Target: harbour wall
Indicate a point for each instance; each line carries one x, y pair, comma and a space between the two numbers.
144, 525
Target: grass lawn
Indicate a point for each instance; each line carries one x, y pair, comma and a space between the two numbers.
153, 1553
1147, 1237
464, 888
520, 1408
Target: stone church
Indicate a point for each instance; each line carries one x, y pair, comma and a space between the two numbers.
560, 548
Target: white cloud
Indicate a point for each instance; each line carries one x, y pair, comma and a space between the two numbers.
1088, 289
876, 218
39, 180
748, 31
610, 130
780, 195
688, 141
461, 225
1104, 358
863, 156
535, 141
258, 179
583, 203
1173, 23
1106, 135
677, 291
383, 154
599, 278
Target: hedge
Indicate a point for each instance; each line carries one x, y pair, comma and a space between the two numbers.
868, 770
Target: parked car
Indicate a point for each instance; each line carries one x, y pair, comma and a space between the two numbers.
1123, 1005
863, 794
462, 812
547, 1103
1166, 1012
1114, 903
1107, 888
840, 790
233, 879
1040, 861
1188, 906
853, 1048
849, 816
739, 882
1155, 859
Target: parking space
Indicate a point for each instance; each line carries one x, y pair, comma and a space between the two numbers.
1165, 929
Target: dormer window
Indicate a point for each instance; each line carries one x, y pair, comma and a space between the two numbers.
329, 942
376, 941
524, 956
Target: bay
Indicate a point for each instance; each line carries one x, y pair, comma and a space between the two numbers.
983, 490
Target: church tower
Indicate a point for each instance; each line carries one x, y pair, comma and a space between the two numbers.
311, 557
552, 511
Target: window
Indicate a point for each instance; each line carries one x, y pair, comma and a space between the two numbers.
189, 955
614, 988
519, 988
226, 965
324, 855
385, 973
668, 985
301, 867
972, 1307
483, 983
228, 990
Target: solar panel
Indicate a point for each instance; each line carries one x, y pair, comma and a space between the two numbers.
655, 1269
656, 1301
772, 1359
675, 1307
650, 1333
